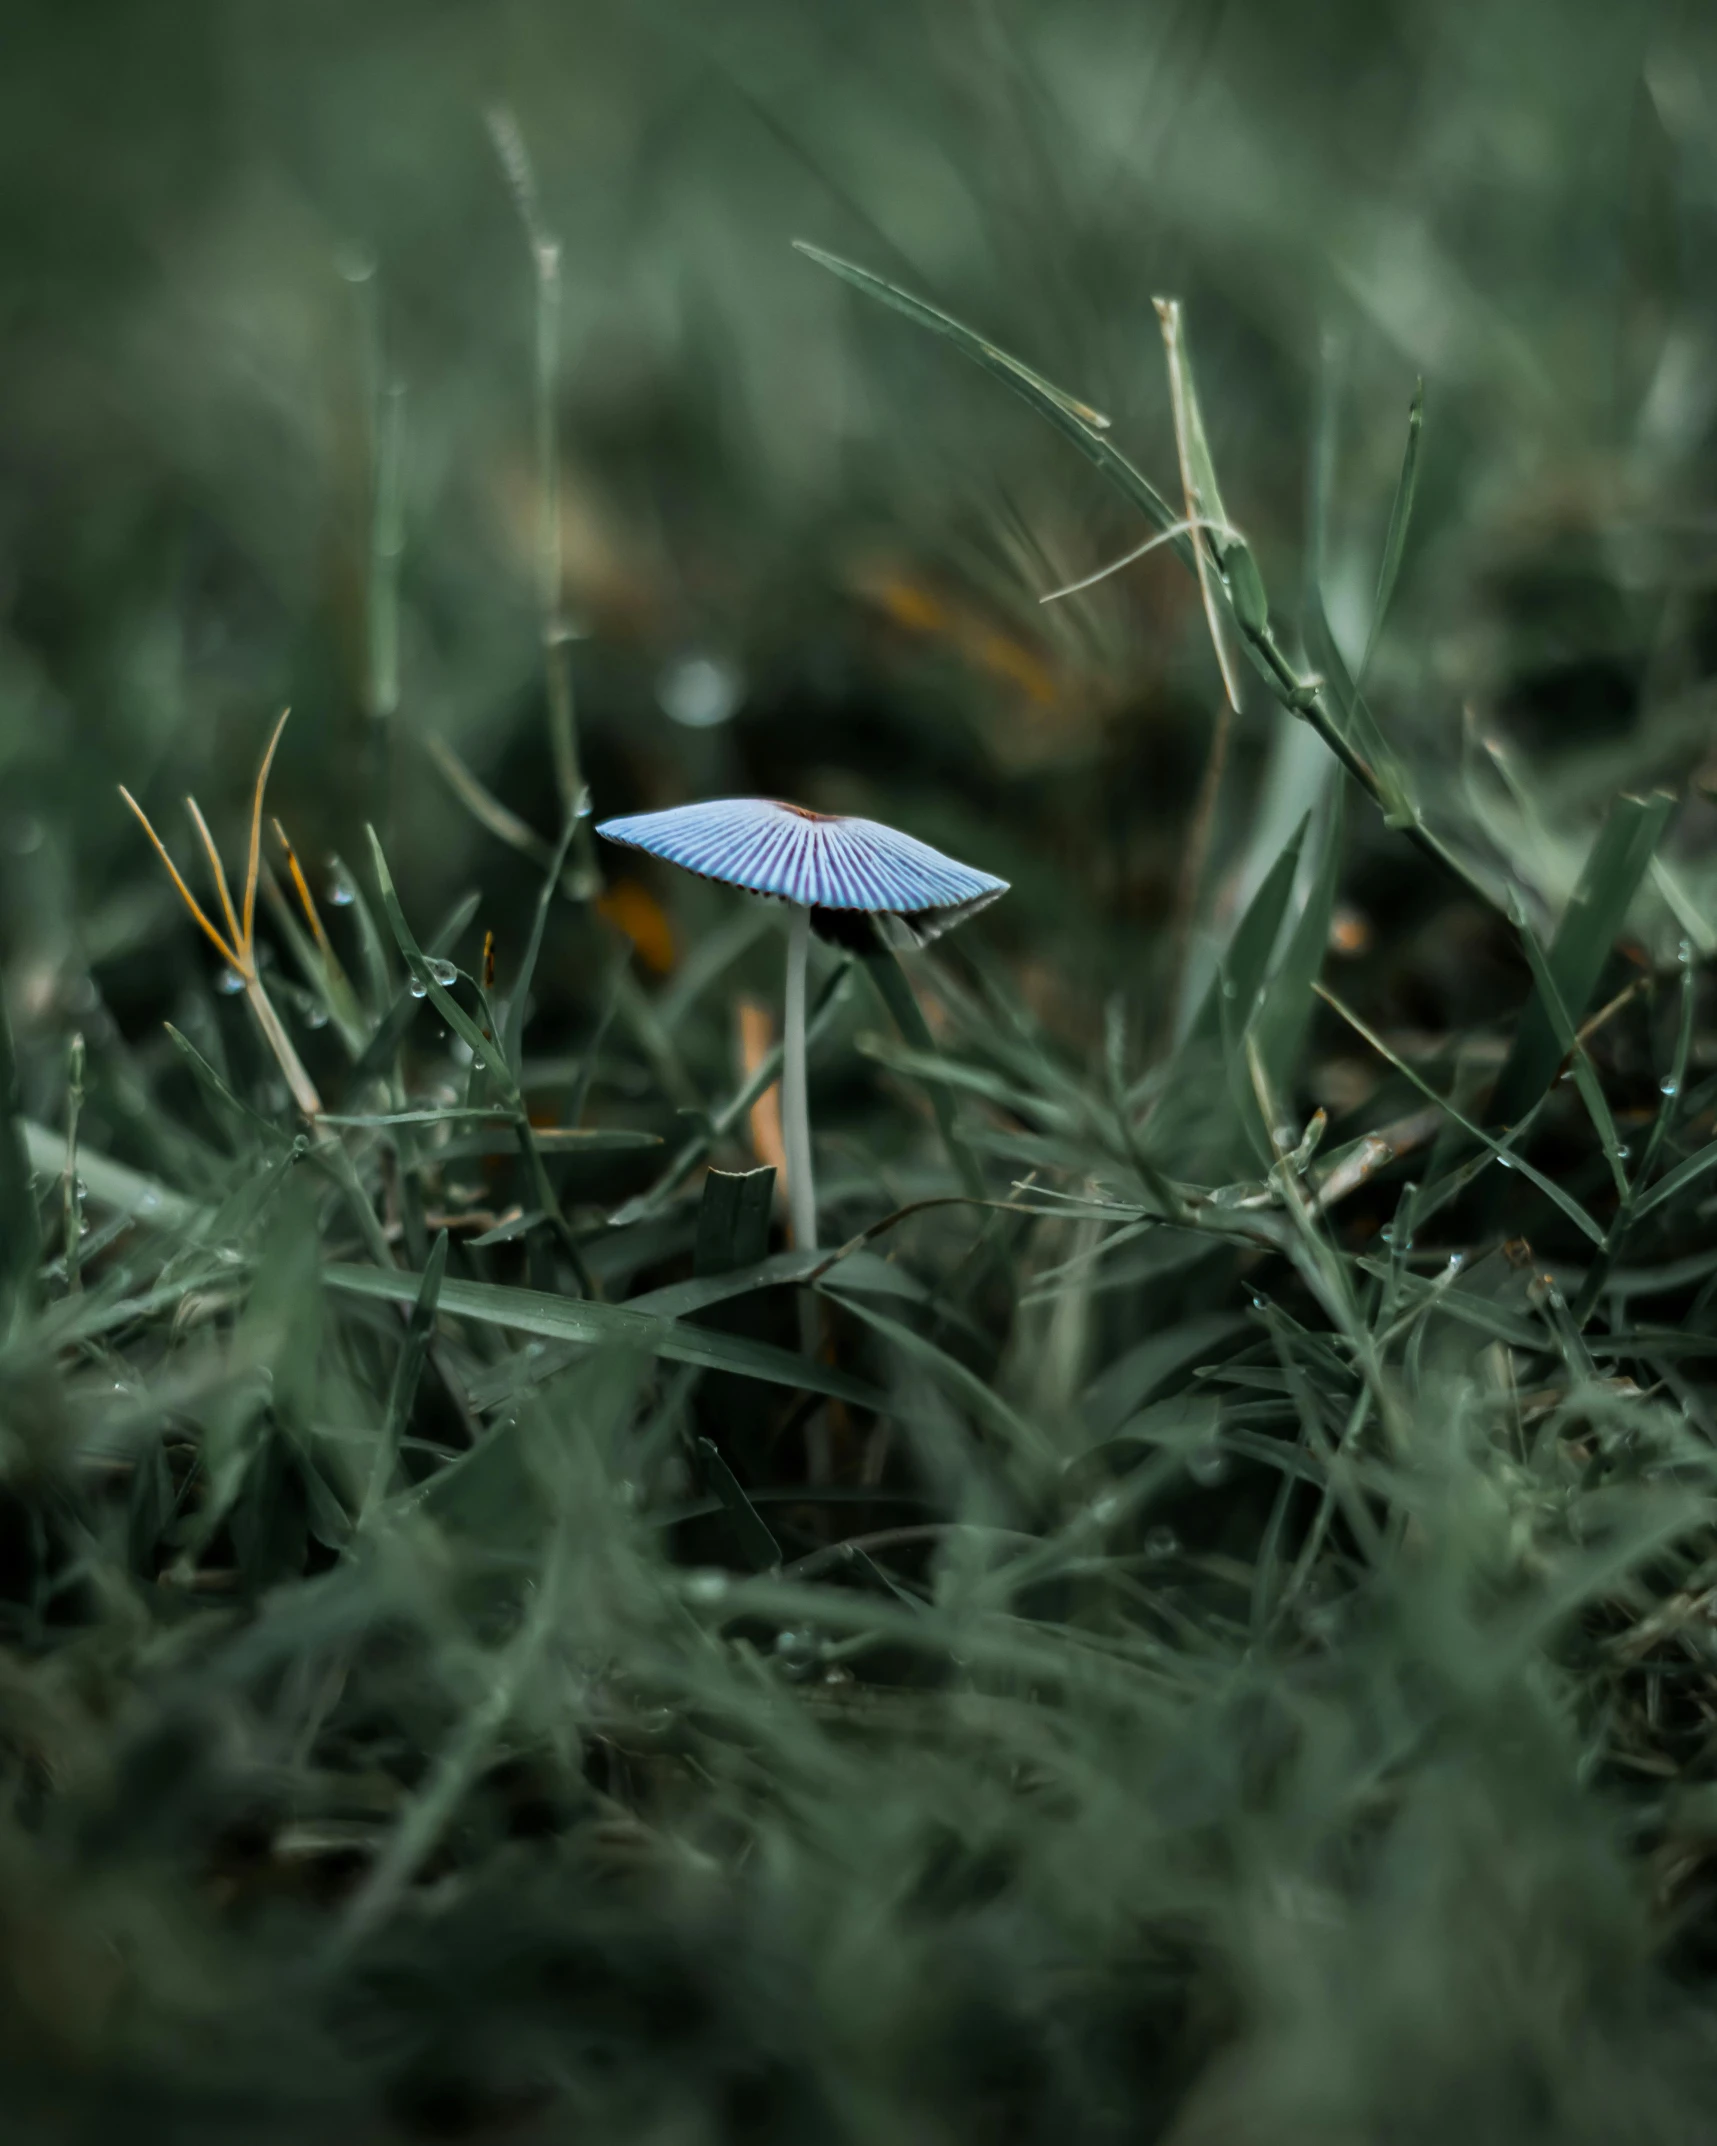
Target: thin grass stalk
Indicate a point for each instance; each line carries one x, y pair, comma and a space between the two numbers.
556, 635
71, 1191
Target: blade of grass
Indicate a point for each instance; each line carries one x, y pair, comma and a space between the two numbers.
383, 1047
578, 1319
111, 1184
408, 1369
1501, 1151
512, 1038
1281, 1020
1199, 488
20, 1225
1075, 420
1574, 1052
750, 1531
1589, 929
894, 988
1395, 538
71, 1183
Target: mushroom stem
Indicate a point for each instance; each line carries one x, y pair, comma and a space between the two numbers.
795, 1105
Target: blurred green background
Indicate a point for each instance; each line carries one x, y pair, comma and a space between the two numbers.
241, 242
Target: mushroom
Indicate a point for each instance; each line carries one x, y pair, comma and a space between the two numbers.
845, 878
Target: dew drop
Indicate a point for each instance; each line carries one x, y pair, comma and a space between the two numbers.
341, 893
444, 972
1668, 1084
1161, 1542
1505, 1162
1386, 1235
1257, 1303
315, 1016
418, 988
230, 982
1456, 1261
1209, 1466
1623, 1149
584, 805
480, 1065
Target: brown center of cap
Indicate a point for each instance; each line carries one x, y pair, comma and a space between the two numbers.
804, 812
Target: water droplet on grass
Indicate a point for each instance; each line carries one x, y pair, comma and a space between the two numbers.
1668, 1085
444, 972
418, 988
1161, 1542
230, 982
1208, 1466
315, 1016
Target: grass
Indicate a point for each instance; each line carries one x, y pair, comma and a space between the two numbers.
1191, 1616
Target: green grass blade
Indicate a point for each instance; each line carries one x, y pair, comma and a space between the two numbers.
1574, 1052
436, 992
894, 988
734, 1216
1589, 929
1074, 419
1501, 1151
1281, 1021
1395, 538
1199, 487
1246, 960
513, 1034
582, 1320
408, 1369
1386, 776
383, 1046
20, 1224
987, 1406
108, 1183
220, 1094
750, 1531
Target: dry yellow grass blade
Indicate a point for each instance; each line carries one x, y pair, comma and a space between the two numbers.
240, 954
190, 901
